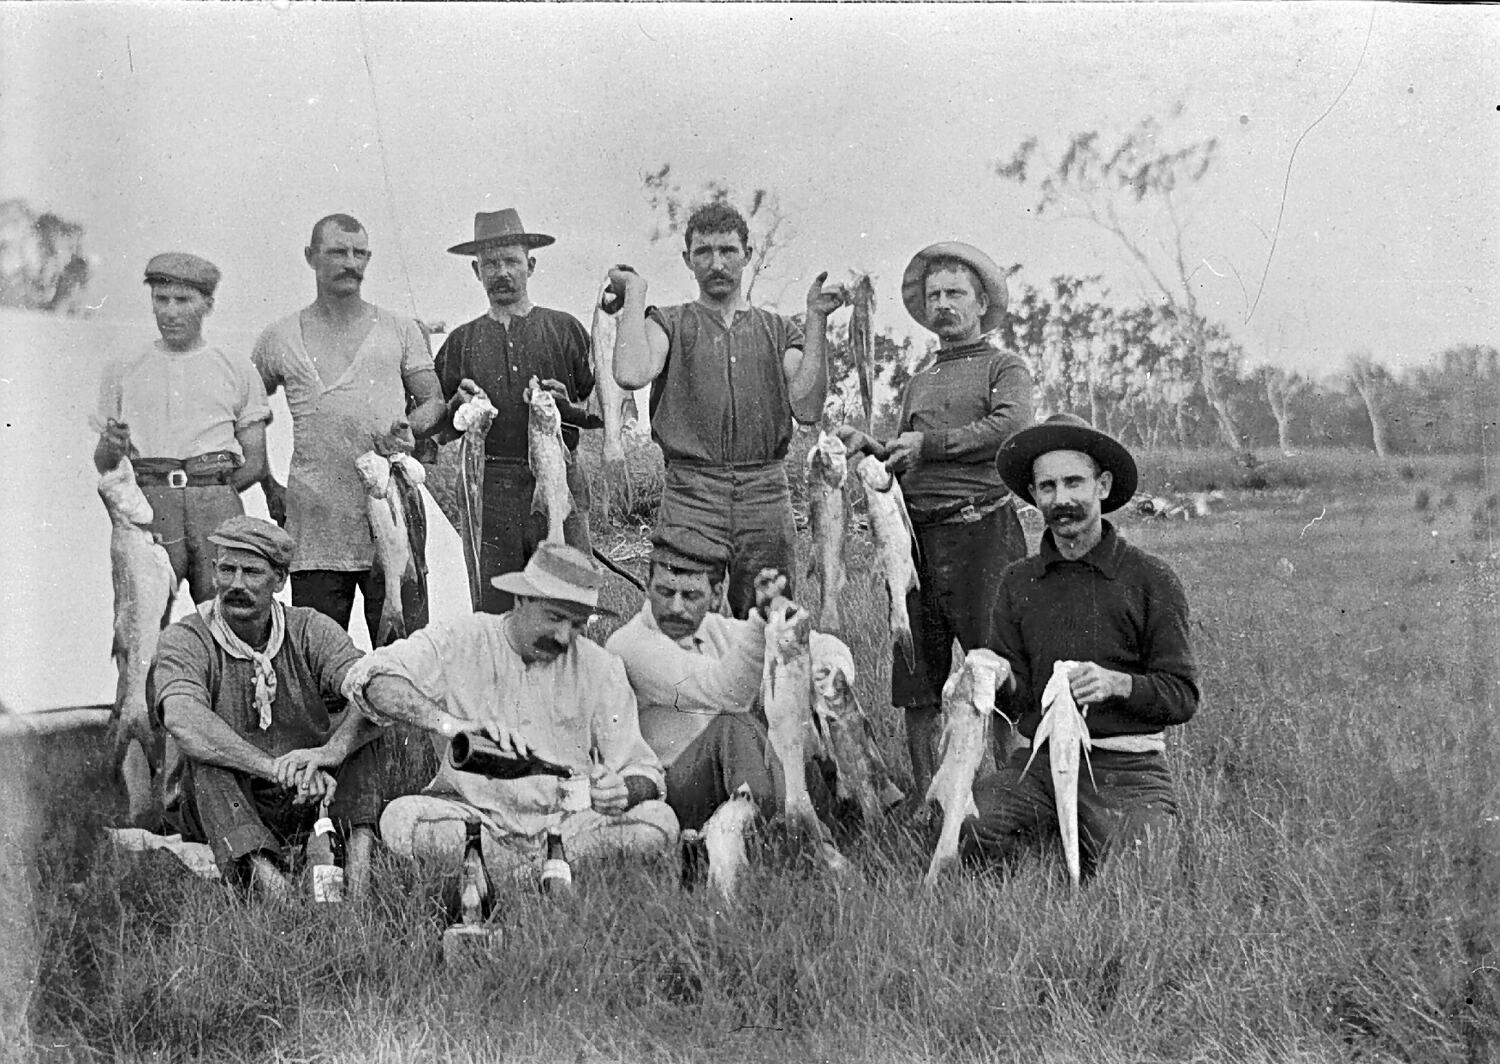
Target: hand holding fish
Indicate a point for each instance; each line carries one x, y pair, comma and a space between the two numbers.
114, 444
1091, 683
770, 587
856, 441
571, 413
628, 281
467, 391
905, 452
397, 439
607, 791
275, 492
821, 303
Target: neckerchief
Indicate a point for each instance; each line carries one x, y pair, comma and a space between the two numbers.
235, 647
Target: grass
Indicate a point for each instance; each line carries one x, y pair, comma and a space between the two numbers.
1331, 896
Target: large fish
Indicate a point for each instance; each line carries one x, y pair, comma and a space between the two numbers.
724, 839
968, 701
890, 528
548, 458
861, 296
827, 468
473, 419
611, 402
863, 776
388, 528
1066, 734
786, 696
144, 585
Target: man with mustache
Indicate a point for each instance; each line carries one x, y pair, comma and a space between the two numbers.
499, 352
352, 371
955, 414
1121, 615
245, 685
531, 682
730, 378
190, 415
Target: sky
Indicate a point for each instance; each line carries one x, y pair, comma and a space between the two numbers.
1365, 220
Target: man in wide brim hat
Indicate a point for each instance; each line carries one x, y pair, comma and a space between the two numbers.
492, 228
1067, 432
559, 574
991, 278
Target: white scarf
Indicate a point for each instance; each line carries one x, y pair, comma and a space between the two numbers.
235, 647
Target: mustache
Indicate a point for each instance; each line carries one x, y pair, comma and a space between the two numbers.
353, 275
234, 598
551, 646
1066, 510
674, 618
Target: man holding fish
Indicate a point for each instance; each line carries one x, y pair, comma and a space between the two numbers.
729, 379
498, 354
1093, 633
351, 372
955, 414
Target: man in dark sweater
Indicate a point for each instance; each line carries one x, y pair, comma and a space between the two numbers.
1114, 611
955, 414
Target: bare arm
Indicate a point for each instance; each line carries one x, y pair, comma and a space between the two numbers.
397, 698
640, 344
295, 766
205, 737
807, 370
429, 411
252, 439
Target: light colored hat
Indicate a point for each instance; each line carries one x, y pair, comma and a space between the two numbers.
1067, 432
557, 572
179, 267
500, 227
914, 285
259, 536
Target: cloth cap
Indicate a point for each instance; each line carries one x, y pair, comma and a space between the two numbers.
680, 547
182, 268
1067, 432
500, 227
258, 536
557, 572
914, 284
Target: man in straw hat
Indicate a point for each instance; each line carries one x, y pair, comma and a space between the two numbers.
244, 685
352, 371
1087, 597
955, 414
499, 352
531, 682
191, 416
729, 380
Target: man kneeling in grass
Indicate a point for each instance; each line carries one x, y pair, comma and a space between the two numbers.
529, 681
245, 686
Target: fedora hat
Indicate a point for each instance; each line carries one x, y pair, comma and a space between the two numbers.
557, 572
500, 227
914, 286
1067, 432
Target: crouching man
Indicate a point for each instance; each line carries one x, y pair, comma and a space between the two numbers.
529, 681
246, 686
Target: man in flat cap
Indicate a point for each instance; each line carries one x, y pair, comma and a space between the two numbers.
1119, 618
358, 378
498, 353
249, 688
529, 681
190, 415
729, 379
955, 414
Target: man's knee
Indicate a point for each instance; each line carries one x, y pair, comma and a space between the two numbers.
427, 828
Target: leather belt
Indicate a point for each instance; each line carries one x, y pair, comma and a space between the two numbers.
964, 511
200, 471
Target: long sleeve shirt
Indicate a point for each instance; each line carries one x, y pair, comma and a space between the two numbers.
1118, 607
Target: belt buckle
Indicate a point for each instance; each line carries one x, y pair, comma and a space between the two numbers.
968, 515
177, 478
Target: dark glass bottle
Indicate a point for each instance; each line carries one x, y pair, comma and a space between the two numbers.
475, 753
557, 874
325, 862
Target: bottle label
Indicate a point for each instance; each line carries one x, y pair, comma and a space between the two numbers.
327, 883
556, 873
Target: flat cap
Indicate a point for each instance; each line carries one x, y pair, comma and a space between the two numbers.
258, 536
183, 268
680, 547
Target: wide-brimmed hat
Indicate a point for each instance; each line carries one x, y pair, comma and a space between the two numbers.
687, 549
180, 267
258, 536
914, 287
500, 227
1067, 432
557, 572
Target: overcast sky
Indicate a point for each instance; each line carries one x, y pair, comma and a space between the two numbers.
227, 129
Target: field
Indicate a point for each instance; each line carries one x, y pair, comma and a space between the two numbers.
1333, 895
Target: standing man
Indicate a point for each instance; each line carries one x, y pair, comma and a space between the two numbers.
1121, 615
729, 379
499, 352
349, 368
955, 415
191, 417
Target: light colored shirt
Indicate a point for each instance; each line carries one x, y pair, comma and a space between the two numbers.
577, 710
333, 423
180, 404
681, 685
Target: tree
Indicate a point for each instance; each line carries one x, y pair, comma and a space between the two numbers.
1281, 387
1371, 381
1113, 187
42, 262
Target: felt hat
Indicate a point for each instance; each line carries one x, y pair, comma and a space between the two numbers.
178, 267
914, 284
557, 572
500, 227
680, 547
1067, 432
258, 536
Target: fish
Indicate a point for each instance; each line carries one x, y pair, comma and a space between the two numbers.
827, 469
548, 457
473, 419
890, 528
863, 776
1066, 734
861, 297
786, 696
611, 402
144, 586
724, 839
968, 701
388, 529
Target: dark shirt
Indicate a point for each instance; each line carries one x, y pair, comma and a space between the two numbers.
966, 404
722, 396
1118, 607
502, 360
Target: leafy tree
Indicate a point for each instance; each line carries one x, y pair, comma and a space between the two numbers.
1281, 388
770, 230
42, 262
1372, 382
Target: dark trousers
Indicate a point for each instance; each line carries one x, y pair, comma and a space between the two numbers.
1129, 797
184, 518
512, 531
331, 593
734, 749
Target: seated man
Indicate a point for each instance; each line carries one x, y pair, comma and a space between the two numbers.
245, 685
531, 682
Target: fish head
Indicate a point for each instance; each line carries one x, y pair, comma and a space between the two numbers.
788, 634
828, 461
544, 413
832, 669
873, 473
374, 472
